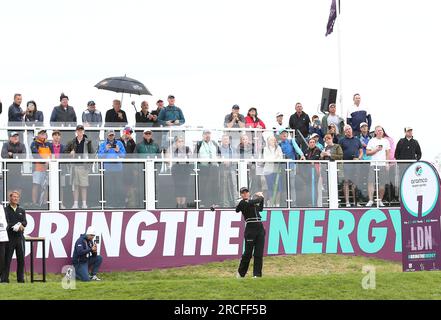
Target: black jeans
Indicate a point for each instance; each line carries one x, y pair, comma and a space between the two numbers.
3, 259
15, 244
254, 241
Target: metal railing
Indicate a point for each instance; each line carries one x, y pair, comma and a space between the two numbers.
150, 184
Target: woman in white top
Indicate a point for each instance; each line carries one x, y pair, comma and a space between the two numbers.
271, 170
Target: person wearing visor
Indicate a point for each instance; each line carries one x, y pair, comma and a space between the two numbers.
254, 234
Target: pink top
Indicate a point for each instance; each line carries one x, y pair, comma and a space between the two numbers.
57, 149
392, 148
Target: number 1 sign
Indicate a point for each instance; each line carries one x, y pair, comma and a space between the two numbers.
420, 218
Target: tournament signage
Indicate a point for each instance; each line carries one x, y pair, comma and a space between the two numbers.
144, 240
420, 218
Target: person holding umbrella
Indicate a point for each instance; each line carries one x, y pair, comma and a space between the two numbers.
115, 116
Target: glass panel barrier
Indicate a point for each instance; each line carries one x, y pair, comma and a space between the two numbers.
32, 181
353, 183
396, 173
309, 185
275, 184
228, 185
217, 184
175, 185
80, 185
124, 185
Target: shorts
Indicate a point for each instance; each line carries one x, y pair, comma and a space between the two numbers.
80, 176
39, 177
383, 175
350, 172
62, 180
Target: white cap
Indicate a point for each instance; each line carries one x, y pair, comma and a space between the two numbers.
90, 231
363, 124
407, 129
278, 114
314, 135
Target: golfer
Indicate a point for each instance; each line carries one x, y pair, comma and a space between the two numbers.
254, 232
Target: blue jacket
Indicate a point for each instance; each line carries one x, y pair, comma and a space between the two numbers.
171, 113
290, 148
112, 154
82, 250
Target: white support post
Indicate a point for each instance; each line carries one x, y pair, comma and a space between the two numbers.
243, 174
54, 186
150, 186
333, 184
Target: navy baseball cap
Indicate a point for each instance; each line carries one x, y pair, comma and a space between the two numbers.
244, 189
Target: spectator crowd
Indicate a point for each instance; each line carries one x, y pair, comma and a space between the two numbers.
326, 138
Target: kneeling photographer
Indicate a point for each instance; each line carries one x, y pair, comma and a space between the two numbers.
85, 256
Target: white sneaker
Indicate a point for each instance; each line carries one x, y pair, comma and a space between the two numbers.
382, 204
348, 205
95, 278
62, 206
84, 206
370, 203
75, 206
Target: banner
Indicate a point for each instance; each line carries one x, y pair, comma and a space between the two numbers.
420, 222
145, 240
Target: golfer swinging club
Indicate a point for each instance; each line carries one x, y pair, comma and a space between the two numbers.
254, 232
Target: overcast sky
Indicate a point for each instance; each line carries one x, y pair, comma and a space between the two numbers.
213, 54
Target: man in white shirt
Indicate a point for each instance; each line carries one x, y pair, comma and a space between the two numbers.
378, 148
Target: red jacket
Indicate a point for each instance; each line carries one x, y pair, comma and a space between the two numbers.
250, 123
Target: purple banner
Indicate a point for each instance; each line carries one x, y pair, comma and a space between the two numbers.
146, 240
421, 211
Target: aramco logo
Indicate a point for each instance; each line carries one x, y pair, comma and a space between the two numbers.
419, 170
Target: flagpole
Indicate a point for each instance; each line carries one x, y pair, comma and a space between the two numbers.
340, 76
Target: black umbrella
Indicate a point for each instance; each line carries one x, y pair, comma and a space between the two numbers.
123, 85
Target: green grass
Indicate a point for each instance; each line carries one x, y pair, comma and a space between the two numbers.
285, 277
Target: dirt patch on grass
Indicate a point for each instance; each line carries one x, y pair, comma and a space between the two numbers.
295, 265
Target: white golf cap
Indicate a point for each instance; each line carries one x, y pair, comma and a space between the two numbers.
278, 114
91, 231
314, 135
407, 129
363, 124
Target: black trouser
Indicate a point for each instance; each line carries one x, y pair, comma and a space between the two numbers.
254, 241
15, 244
3, 259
